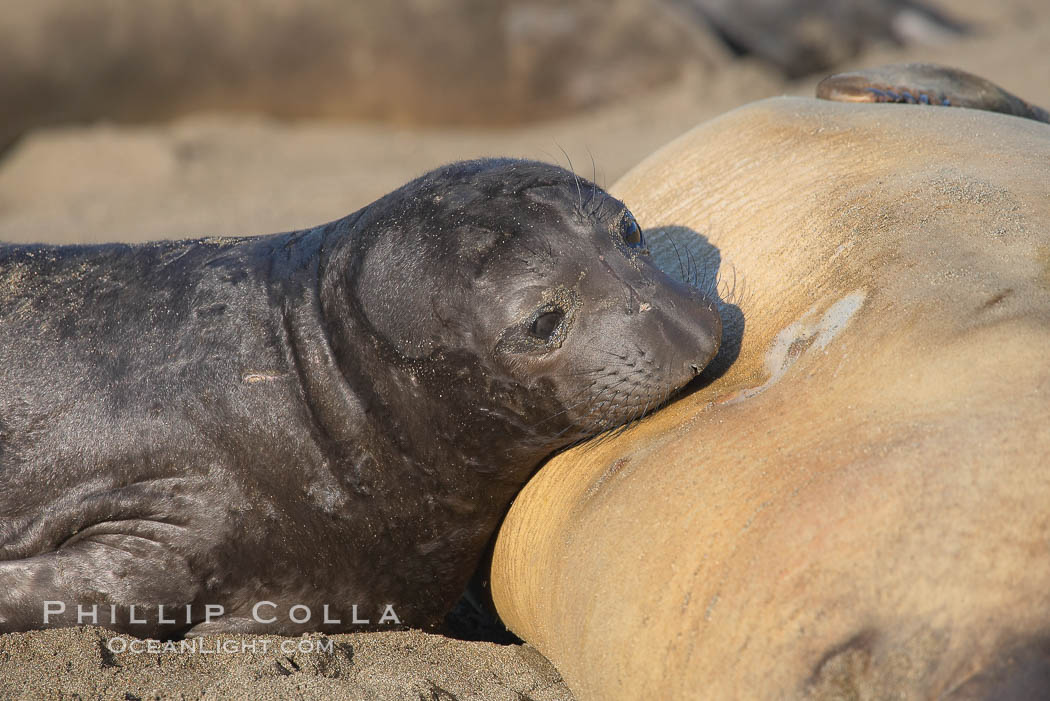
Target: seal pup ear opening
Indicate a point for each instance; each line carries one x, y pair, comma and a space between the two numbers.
397, 291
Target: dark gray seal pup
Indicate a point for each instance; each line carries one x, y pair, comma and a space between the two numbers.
311, 430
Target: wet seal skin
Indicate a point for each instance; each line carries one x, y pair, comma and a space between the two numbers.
330, 418
926, 84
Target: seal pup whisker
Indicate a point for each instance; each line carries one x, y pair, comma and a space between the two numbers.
594, 166
599, 403
614, 354
581, 373
579, 190
728, 293
593, 399
694, 269
681, 265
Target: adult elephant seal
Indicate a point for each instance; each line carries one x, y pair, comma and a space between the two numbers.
859, 506
326, 424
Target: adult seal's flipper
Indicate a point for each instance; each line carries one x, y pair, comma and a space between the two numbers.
927, 84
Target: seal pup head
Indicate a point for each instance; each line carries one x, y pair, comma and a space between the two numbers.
521, 298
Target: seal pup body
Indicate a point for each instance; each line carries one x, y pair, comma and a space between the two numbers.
336, 417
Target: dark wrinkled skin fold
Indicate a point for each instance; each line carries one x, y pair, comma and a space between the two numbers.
337, 416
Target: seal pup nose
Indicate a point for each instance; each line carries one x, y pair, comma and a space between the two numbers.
706, 350
709, 337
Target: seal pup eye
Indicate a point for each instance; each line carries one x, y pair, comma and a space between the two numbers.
632, 233
544, 326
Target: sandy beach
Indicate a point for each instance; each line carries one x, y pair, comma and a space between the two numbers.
235, 174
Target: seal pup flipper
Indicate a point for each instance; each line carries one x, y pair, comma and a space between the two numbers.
926, 84
101, 579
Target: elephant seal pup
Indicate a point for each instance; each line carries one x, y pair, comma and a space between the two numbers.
317, 430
